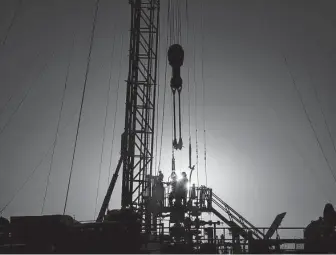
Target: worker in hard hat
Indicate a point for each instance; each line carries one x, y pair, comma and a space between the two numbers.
182, 188
160, 177
173, 184
184, 182
159, 190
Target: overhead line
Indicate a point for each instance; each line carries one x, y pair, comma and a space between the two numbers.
82, 101
58, 122
116, 109
309, 119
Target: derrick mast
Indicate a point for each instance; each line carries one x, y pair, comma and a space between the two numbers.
138, 138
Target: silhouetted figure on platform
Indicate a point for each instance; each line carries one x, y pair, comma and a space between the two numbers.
182, 188
173, 184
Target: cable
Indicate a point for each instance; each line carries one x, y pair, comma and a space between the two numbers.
188, 83
309, 120
197, 165
157, 104
322, 111
27, 180
6, 105
104, 130
34, 170
164, 91
311, 170
12, 22
169, 22
178, 13
82, 101
203, 85
24, 97
189, 100
116, 107
58, 122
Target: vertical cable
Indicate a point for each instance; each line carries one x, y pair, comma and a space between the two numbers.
82, 102
116, 108
105, 124
203, 85
165, 86
59, 121
195, 84
157, 107
188, 84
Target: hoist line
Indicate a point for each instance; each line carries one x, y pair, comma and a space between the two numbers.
82, 101
173, 34
203, 85
105, 125
176, 30
308, 118
322, 111
174, 120
188, 87
170, 21
173, 38
180, 118
188, 83
33, 171
195, 84
46, 65
174, 21
116, 108
165, 87
12, 22
173, 153
179, 23
59, 120
157, 101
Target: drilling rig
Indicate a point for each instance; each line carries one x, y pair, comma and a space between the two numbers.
156, 215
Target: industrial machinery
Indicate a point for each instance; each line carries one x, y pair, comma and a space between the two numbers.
156, 215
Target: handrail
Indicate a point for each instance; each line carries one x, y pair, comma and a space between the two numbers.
236, 217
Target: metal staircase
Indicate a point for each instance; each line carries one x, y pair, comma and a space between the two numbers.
233, 219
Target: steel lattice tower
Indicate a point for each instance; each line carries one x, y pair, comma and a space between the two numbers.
138, 139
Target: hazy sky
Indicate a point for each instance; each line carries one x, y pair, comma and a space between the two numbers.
262, 155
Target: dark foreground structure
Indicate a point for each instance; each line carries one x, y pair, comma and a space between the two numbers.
121, 232
62, 234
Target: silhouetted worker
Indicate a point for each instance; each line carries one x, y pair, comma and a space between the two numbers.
193, 192
159, 191
183, 185
202, 198
222, 239
160, 177
173, 183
